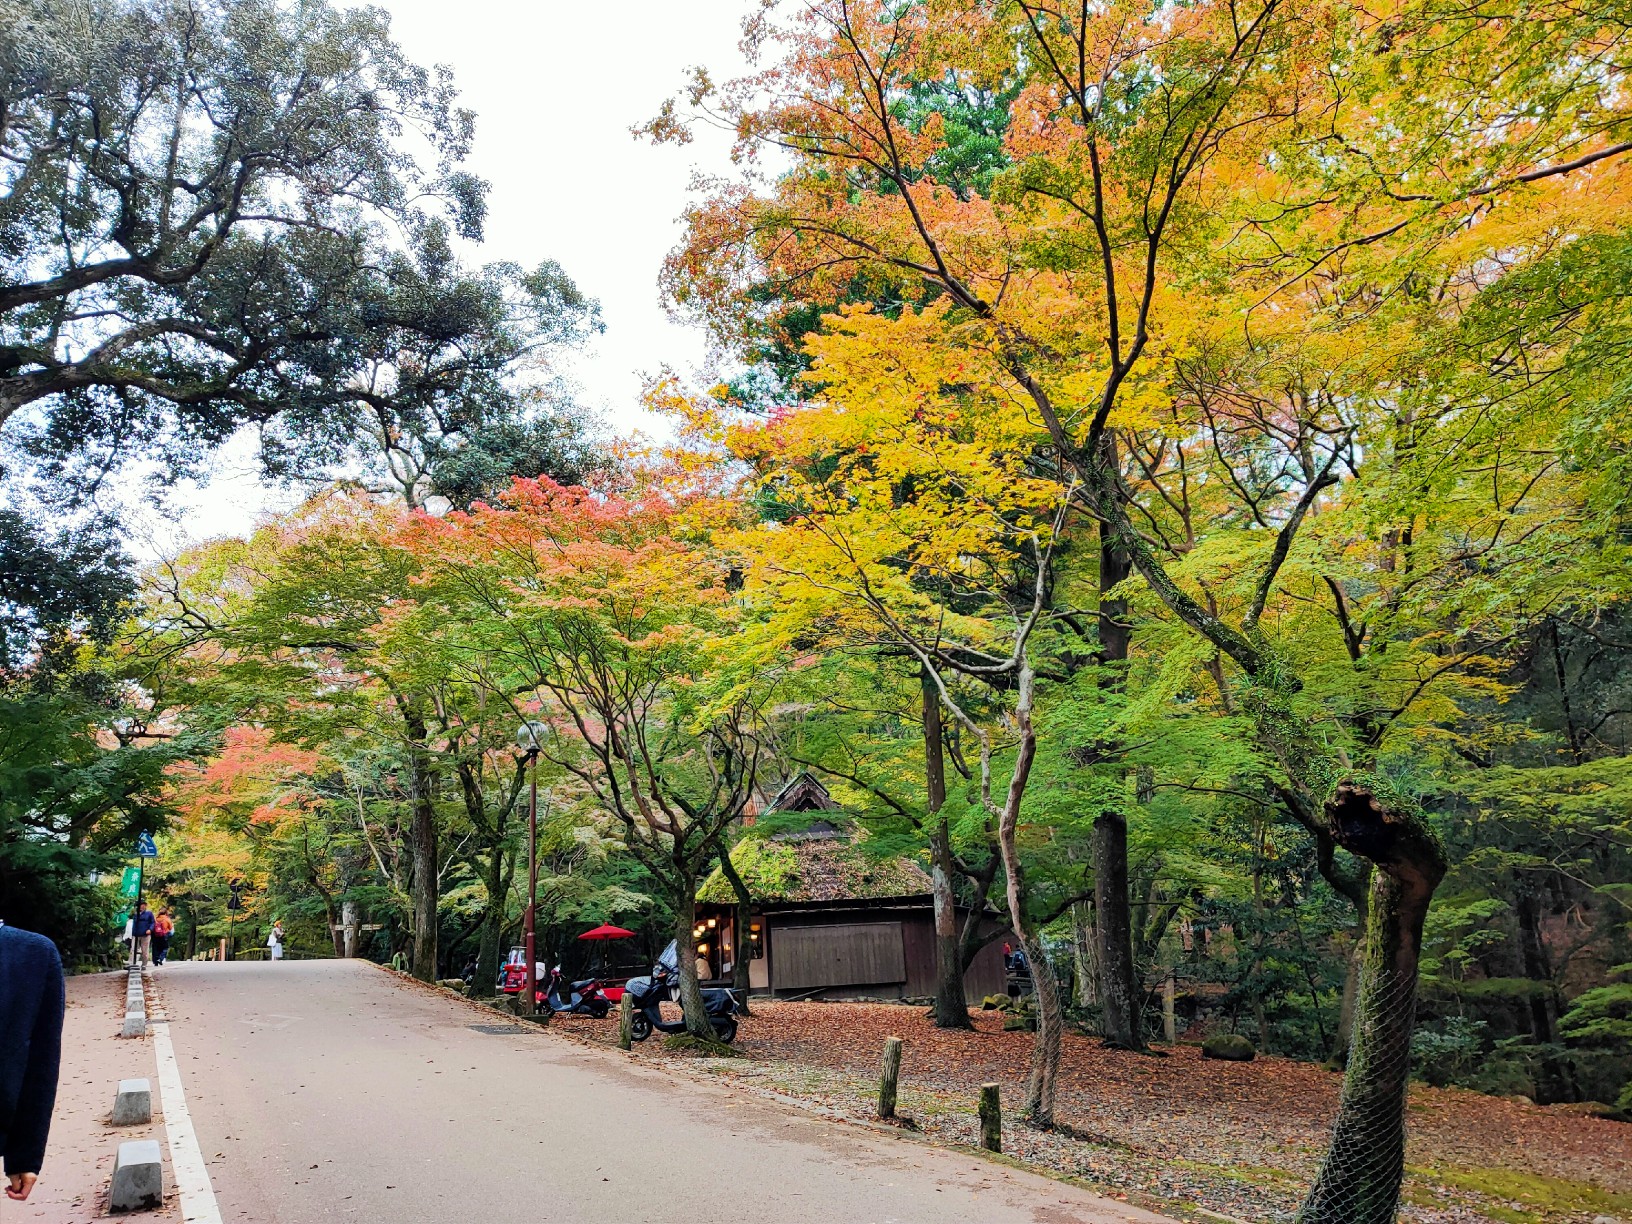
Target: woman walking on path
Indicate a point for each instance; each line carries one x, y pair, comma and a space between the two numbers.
274, 941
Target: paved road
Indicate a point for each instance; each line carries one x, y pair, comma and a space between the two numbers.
329, 1090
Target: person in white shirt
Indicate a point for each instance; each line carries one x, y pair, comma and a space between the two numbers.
274, 941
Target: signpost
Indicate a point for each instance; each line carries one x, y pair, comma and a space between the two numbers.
145, 849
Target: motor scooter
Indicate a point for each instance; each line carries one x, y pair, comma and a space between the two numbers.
575, 998
648, 994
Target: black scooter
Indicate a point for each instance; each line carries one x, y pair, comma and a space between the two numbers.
648, 994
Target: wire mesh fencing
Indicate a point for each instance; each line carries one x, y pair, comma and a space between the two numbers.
1359, 1180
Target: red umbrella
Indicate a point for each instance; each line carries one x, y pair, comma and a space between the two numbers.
607, 932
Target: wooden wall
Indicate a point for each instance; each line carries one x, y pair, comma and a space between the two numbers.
859, 954
884, 954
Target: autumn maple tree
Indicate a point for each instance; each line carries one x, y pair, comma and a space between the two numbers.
1165, 168
901, 514
607, 612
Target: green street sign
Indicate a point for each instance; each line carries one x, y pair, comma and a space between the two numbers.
128, 882
119, 920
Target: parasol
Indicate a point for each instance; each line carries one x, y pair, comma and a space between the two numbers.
607, 932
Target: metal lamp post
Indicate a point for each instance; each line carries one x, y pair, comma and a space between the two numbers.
529, 736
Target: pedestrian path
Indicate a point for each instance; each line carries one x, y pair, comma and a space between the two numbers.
332, 1090
79, 1158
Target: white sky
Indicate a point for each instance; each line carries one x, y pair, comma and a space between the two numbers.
556, 86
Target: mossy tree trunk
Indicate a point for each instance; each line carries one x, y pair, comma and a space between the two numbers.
1359, 1182
684, 899
422, 842
951, 1008
1118, 997
742, 945
1118, 982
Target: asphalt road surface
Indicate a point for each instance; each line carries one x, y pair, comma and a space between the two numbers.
330, 1090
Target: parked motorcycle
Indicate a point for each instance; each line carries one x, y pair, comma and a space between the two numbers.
648, 994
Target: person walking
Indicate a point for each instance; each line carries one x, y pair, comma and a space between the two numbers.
274, 941
31, 1011
163, 928
143, 929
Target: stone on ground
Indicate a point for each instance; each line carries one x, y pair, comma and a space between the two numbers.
1230, 1047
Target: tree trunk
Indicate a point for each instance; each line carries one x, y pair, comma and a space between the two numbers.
1350, 1000
1045, 1049
951, 1008
425, 878
422, 842
685, 951
742, 945
1118, 989
1118, 992
349, 923
1085, 953
487, 951
1359, 1182
1555, 1082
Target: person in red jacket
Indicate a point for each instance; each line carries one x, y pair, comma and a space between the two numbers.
163, 928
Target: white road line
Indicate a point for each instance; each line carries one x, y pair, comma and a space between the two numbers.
186, 1161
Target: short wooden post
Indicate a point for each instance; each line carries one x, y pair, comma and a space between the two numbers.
1170, 1022
626, 1021
991, 1118
890, 1072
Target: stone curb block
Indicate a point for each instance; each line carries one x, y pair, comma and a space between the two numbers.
138, 1177
135, 1007
133, 1105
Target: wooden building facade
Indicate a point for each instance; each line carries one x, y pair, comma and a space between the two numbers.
829, 920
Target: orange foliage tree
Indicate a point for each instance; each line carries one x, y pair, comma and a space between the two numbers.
609, 610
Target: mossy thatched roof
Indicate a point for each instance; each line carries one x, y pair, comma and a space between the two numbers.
817, 869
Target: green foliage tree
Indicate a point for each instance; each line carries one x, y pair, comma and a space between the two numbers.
191, 207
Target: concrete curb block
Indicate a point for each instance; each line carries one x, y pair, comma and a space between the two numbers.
133, 1103
138, 1177
135, 1006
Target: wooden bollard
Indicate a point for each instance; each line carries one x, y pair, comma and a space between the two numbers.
888, 1075
1170, 1021
626, 1021
991, 1118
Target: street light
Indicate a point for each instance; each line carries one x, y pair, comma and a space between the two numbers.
529, 738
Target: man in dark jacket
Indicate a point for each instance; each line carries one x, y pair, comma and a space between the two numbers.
31, 1007
142, 932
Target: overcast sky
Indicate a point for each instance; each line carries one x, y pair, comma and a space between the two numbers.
556, 86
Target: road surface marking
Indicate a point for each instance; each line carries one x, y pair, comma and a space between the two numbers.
186, 1161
